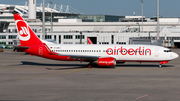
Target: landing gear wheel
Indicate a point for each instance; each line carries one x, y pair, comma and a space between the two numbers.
160, 66
89, 65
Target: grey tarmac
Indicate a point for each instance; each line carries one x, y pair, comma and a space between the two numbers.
28, 78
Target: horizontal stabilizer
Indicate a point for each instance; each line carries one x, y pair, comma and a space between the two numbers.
23, 47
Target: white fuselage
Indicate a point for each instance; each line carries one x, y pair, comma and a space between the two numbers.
137, 53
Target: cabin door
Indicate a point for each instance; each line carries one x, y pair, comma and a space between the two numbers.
156, 52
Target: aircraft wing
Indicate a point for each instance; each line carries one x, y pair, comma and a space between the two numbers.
83, 57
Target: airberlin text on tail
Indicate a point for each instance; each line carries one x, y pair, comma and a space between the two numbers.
25, 33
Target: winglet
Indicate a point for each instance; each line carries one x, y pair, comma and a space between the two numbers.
89, 41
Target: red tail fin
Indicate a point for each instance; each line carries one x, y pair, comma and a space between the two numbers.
26, 35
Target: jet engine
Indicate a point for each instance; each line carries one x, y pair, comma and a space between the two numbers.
106, 62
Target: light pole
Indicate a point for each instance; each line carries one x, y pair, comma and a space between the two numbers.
51, 16
139, 26
142, 15
43, 23
157, 19
80, 37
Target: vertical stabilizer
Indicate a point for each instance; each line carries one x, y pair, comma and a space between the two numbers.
26, 35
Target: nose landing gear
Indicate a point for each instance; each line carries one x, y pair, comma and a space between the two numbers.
163, 62
160, 65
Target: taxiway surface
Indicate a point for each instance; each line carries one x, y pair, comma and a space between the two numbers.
25, 77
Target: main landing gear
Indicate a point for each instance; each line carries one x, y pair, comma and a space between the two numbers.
90, 65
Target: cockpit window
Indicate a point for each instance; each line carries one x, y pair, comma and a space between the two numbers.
167, 51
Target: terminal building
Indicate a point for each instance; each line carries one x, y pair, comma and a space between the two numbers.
101, 29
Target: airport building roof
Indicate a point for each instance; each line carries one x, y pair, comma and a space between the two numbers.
24, 9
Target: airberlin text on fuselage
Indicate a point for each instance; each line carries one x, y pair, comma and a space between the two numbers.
130, 51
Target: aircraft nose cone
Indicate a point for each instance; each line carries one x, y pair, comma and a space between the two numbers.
175, 55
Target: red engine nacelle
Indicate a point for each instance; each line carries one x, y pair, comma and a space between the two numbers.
108, 61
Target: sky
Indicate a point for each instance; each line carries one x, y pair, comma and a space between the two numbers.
168, 8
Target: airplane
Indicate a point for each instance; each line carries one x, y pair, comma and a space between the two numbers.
101, 55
